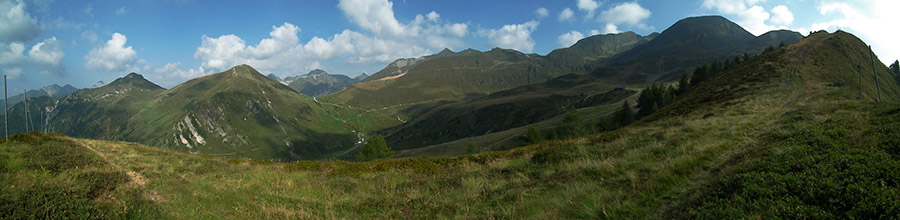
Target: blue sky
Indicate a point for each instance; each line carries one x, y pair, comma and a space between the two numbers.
44, 42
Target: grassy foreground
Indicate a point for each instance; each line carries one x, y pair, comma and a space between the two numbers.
781, 145
760, 159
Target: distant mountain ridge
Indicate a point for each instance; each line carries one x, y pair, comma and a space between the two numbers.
317, 82
237, 113
54, 91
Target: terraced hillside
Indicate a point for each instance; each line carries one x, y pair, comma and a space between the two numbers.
778, 136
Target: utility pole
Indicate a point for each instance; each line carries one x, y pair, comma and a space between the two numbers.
25, 93
872, 55
6, 109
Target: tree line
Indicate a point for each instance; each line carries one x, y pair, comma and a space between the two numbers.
652, 99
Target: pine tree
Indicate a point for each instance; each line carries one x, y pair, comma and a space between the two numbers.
375, 149
534, 136
683, 84
625, 115
895, 67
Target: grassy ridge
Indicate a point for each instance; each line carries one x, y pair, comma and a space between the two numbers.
783, 145
48, 177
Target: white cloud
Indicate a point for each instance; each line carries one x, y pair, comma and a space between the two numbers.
782, 15
112, 56
541, 12
629, 13
512, 36
122, 11
588, 6
48, 55
569, 39
283, 38
871, 22
751, 16
12, 72
220, 53
566, 15
173, 71
433, 16
16, 25
385, 39
611, 29
376, 16
11, 54
595, 32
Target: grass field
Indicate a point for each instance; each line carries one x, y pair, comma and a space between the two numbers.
783, 145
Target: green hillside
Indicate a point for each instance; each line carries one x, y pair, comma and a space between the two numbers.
503, 110
236, 113
409, 87
685, 45
775, 137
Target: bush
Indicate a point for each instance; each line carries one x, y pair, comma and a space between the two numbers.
376, 148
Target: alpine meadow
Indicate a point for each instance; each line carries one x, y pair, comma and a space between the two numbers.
468, 113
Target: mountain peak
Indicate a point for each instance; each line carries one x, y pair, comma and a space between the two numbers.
135, 79
446, 51
316, 72
133, 75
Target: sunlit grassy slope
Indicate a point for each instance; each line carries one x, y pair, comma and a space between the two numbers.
772, 138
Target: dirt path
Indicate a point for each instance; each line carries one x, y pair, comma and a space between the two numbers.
136, 177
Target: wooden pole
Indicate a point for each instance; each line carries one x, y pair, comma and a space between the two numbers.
5, 108
878, 87
25, 93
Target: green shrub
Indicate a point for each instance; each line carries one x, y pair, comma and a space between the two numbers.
376, 148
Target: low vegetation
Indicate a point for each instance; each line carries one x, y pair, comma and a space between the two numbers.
774, 137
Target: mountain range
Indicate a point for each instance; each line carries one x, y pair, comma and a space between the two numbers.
318, 82
54, 91
800, 131
415, 103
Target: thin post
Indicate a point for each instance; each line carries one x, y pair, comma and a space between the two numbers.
25, 93
5, 109
872, 55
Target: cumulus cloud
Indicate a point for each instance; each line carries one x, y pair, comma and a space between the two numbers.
541, 12
751, 16
383, 39
611, 29
112, 56
512, 36
566, 15
595, 32
589, 6
628, 13
782, 15
16, 25
433, 16
283, 38
44, 57
11, 54
869, 22
569, 39
376, 16
48, 55
284, 53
